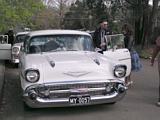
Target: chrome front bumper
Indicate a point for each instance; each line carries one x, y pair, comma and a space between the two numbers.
15, 59
39, 102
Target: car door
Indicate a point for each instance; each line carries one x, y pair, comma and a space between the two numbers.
116, 51
5, 48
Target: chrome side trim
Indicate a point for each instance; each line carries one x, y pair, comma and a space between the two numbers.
125, 59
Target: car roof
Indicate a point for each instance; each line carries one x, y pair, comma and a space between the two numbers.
57, 32
22, 33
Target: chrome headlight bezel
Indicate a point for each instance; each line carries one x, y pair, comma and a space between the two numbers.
15, 50
120, 71
32, 75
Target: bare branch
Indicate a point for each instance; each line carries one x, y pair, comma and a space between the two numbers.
131, 2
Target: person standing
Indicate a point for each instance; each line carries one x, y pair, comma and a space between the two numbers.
99, 36
10, 34
128, 42
156, 50
128, 37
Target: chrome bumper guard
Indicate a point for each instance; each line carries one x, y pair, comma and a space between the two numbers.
15, 58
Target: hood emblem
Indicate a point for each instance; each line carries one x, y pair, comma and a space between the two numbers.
52, 63
77, 74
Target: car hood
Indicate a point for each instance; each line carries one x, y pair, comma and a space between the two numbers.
71, 66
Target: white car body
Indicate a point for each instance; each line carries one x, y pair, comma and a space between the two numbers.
17, 46
71, 78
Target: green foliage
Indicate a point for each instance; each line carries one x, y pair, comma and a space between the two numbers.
18, 12
88, 13
77, 17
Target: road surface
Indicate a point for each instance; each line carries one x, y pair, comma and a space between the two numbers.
138, 104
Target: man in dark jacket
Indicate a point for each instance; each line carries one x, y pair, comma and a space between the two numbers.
99, 36
10, 34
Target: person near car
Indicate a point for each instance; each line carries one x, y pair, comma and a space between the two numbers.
128, 43
156, 51
10, 34
128, 36
99, 36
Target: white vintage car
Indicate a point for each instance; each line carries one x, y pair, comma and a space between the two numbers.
19, 39
61, 68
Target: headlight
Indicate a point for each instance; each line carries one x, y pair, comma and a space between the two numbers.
32, 75
120, 71
15, 50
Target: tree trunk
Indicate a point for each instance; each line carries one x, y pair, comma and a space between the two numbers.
145, 23
151, 21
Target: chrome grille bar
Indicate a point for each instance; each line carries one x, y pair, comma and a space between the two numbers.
76, 86
71, 90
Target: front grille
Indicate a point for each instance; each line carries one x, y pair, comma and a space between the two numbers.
66, 95
67, 90
76, 86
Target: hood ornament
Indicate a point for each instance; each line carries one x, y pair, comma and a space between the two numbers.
52, 63
77, 74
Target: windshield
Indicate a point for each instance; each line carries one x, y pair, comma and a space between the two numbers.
56, 43
20, 38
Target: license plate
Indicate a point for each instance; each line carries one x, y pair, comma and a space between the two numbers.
79, 99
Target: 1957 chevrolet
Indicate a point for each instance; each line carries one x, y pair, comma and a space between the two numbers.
61, 68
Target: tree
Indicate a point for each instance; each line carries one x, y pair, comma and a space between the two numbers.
144, 17
88, 13
60, 7
46, 19
77, 16
16, 13
152, 19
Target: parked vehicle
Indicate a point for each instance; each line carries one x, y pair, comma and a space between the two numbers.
5, 48
61, 68
18, 42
